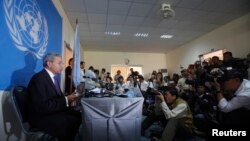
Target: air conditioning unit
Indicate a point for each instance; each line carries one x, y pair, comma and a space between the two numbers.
163, 70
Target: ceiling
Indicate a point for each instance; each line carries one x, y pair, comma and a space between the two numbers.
193, 18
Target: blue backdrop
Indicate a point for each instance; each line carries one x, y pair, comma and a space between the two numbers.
28, 30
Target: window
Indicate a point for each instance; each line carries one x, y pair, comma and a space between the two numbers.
207, 56
125, 70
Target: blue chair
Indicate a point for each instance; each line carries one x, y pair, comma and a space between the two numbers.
20, 105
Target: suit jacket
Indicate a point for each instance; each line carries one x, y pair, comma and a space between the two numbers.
43, 96
47, 108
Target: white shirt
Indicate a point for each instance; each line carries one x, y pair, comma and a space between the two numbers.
181, 84
241, 99
89, 83
129, 84
51, 75
144, 85
90, 74
82, 75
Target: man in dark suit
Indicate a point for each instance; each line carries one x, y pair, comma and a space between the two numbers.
49, 109
69, 88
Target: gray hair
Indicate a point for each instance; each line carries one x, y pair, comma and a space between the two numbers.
50, 58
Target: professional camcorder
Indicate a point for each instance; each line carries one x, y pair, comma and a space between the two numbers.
216, 74
222, 75
161, 90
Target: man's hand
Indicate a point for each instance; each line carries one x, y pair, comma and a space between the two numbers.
73, 97
160, 97
217, 85
218, 90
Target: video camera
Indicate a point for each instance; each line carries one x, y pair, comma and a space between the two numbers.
161, 90
221, 75
216, 74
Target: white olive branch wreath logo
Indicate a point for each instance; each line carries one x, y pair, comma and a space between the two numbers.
15, 35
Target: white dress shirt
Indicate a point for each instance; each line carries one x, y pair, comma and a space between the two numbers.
241, 99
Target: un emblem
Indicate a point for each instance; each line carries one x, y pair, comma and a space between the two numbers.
27, 26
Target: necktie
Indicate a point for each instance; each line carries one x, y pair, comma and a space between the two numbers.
57, 85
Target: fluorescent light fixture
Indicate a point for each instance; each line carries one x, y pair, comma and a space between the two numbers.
112, 33
141, 34
167, 36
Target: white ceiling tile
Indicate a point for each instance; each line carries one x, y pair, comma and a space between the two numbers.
97, 18
114, 28
208, 5
123, 0
143, 29
98, 35
194, 15
167, 23
97, 27
217, 18
183, 25
82, 17
151, 22
190, 3
85, 33
118, 8
73, 5
234, 7
133, 21
115, 19
146, 1
155, 13
96, 6
130, 30
84, 27
138, 9
181, 13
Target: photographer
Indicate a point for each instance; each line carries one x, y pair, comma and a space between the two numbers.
204, 111
237, 109
178, 115
175, 112
119, 85
182, 82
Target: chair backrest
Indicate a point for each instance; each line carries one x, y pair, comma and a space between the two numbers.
20, 101
20, 104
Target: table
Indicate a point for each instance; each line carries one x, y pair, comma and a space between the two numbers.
112, 118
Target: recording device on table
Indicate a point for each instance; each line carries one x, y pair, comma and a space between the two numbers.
102, 93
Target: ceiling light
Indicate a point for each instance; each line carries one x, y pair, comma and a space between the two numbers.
141, 34
167, 36
112, 33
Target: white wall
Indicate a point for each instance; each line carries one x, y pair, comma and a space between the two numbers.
149, 61
234, 37
9, 129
